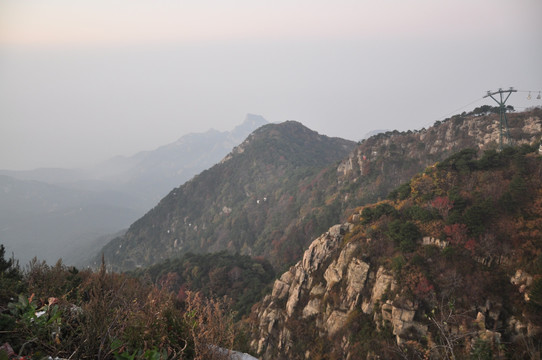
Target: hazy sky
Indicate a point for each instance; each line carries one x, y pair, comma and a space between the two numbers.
82, 81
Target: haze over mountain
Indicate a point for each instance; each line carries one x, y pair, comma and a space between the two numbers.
285, 241
152, 174
447, 266
76, 74
55, 213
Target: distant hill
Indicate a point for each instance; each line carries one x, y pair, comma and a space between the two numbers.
48, 175
241, 204
68, 213
52, 222
151, 175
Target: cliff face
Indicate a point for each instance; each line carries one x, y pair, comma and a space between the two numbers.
323, 291
450, 269
327, 297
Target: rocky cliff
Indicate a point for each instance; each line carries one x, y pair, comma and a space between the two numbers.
450, 269
384, 161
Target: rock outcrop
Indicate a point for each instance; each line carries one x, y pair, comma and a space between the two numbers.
326, 288
335, 285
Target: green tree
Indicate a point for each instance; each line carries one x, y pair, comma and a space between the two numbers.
405, 234
10, 277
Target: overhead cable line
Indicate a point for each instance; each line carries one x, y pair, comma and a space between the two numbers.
461, 108
453, 112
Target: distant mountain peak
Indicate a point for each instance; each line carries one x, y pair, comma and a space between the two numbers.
177, 161
254, 119
251, 123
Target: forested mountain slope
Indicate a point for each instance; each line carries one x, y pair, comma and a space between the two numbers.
449, 267
280, 189
67, 213
236, 205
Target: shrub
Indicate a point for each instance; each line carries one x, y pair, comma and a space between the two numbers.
405, 234
462, 162
10, 278
371, 214
419, 213
209, 322
112, 316
401, 193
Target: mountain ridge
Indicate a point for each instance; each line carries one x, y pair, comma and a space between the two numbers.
124, 188
367, 174
249, 179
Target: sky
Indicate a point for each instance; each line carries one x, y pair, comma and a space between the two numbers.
83, 81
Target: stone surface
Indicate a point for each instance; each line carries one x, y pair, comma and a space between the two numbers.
312, 308
335, 322
326, 286
356, 277
383, 282
280, 289
428, 240
335, 271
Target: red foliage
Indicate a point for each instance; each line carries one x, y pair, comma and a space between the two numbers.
443, 205
181, 294
423, 288
420, 286
470, 245
456, 233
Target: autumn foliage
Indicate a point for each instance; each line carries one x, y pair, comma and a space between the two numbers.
66, 313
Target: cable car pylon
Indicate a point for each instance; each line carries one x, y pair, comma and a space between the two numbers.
502, 111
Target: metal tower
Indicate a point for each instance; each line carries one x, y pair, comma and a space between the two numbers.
502, 110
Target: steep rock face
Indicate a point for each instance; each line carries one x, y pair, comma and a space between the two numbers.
332, 285
292, 294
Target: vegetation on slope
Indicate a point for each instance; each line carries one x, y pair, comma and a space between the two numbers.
63, 312
240, 278
487, 210
282, 188
385, 161
245, 204
462, 240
